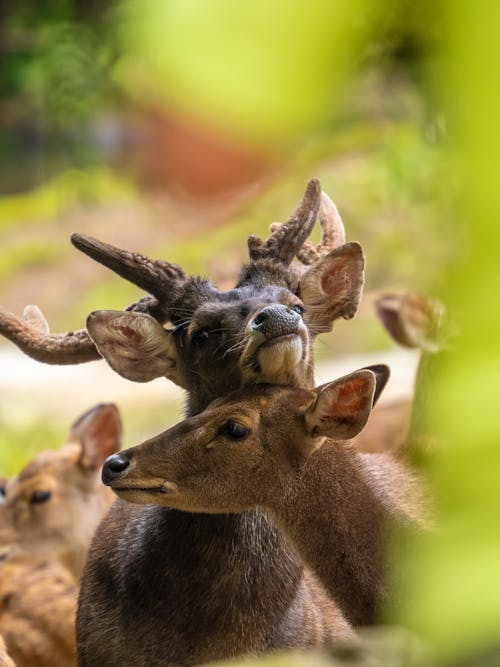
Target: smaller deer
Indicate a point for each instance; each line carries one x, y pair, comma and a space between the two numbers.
284, 449
55, 503
47, 519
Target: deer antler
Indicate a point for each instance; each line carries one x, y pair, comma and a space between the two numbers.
286, 239
31, 335
157, 277
332, 232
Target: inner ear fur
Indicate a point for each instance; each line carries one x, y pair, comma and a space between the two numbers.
332, 288
342, 407
135, 345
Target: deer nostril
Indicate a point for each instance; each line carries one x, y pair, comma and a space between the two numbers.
114, 467
276, 320
259, 320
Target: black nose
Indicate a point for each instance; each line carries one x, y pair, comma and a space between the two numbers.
276, 320
114, 468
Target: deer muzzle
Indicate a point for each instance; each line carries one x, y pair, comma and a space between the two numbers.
277, 344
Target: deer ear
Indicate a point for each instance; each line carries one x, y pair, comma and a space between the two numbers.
99, 433
135, 345
342, 407
413, 320
382, 374
332, 287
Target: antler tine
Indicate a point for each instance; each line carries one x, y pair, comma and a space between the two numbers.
75, 347
286, 239
154, 276
332, 233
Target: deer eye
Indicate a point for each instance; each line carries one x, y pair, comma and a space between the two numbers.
40, 496
199, 337
234, 430
298, 308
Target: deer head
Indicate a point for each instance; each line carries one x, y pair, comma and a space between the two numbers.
54, 504
244, 450
209, 341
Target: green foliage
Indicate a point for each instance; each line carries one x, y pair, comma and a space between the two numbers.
70, 188
28, 255
21, 441
285, 59
453, 592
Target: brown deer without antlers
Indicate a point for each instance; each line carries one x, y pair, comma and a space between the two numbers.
282, 449
218, 342
47, 520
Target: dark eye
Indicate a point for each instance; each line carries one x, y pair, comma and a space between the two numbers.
40, 496
199, 337
298, 308
234, 430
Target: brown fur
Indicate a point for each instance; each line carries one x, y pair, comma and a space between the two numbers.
332, 502
61, 527
44, 540
163, 574
37, 614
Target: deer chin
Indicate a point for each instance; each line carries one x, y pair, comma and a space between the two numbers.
275, 360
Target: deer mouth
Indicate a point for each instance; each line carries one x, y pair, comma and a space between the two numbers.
143, 495
275, 359
280, 340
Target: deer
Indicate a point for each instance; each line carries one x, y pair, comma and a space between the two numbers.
164, 574
47, 520
285, 450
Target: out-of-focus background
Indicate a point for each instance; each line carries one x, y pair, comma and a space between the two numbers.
177, 128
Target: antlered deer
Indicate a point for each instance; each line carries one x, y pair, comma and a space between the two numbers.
202, 587
47, 520
282, 449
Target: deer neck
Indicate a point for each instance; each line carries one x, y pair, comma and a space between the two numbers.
335, 521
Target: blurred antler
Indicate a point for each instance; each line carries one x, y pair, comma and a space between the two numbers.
286, 239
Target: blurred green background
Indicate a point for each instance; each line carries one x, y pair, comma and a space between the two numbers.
178, 128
